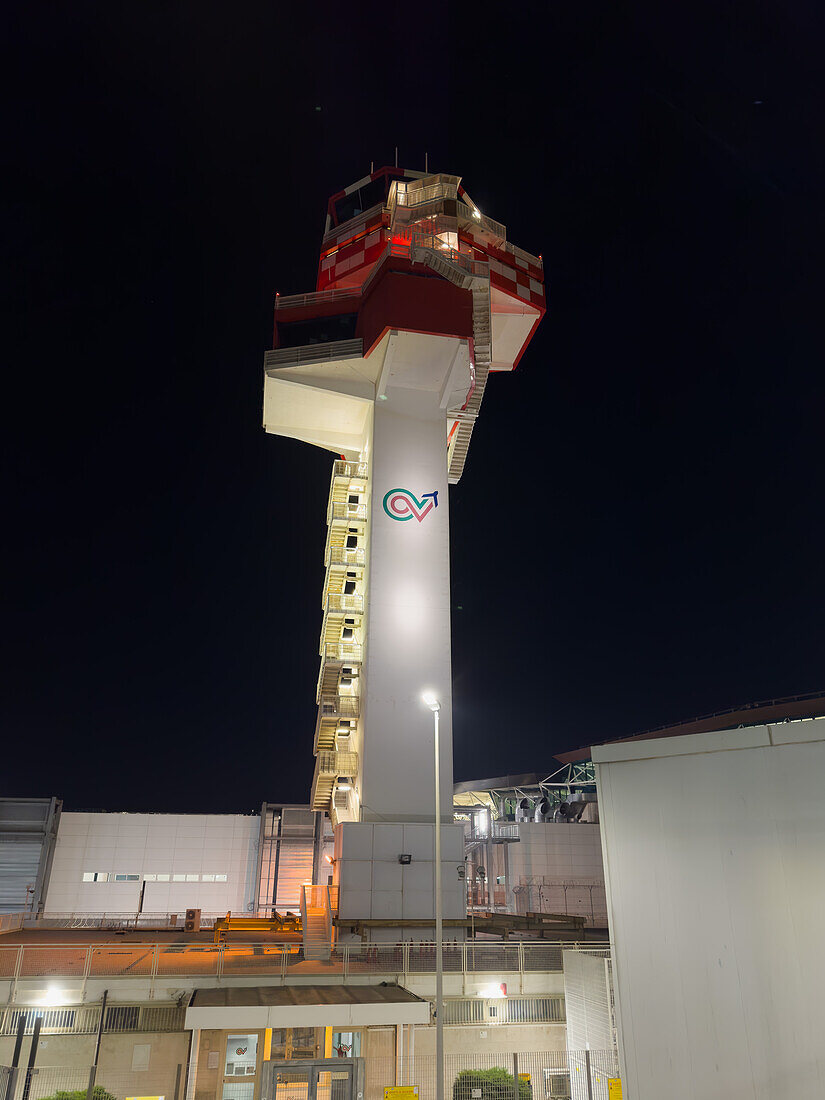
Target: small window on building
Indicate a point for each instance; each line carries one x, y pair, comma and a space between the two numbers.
121, 878
220, 878
150, 878
353, 498
352, 542
103, 876
88, 876
163, 878
178, 878
192, 878
347, 633
349, 588
207, 878
133, 878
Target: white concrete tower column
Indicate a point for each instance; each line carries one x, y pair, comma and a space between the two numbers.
408, 619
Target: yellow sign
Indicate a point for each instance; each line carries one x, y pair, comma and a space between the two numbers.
614, 1088
145, 1098
524, 1077
401, 1092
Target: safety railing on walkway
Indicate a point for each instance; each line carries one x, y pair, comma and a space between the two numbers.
317, 298
199, 960
313, 353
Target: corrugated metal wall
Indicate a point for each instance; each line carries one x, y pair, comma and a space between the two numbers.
296, 862
28, 827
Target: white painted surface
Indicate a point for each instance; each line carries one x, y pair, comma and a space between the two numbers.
151, 844
319, 1015
373, 884
714, 861
408, 610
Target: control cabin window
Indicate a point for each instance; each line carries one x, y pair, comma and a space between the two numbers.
317, 330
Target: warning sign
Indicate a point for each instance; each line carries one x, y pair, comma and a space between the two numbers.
401, 1092
614, 1088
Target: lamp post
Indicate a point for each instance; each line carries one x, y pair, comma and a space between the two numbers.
435, 707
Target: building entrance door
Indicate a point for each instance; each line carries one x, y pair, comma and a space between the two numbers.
320, 1079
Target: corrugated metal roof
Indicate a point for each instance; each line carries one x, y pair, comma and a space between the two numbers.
309, 995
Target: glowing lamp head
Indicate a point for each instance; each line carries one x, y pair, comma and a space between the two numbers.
429, 698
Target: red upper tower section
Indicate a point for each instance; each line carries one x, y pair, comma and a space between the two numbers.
412, 252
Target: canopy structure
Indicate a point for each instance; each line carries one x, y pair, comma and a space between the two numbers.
342, 1006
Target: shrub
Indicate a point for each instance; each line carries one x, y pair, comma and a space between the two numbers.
495, 1084
99, 1093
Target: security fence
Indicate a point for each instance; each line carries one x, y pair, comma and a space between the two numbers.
534, 1075
116, 1083
543, 1075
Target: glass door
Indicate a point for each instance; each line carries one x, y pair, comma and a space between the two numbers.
240, 1066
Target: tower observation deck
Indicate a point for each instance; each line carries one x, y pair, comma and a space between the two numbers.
419, 297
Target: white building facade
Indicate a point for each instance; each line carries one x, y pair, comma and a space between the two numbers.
154, 863
713, 847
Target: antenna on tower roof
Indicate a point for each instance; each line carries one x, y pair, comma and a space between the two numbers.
426, 169
372, 166
396, 156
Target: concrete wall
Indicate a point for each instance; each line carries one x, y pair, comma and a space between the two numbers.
154, 844
714, 857
408, 639
63, 1062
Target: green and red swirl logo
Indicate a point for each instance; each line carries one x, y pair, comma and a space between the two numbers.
402, 505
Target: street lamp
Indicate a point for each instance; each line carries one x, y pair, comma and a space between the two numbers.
434, 705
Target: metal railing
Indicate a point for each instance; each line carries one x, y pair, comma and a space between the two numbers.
475, 217
317, 298
11, 922
340, 510
522, 254
314, 353
200, 960
463, 260
348, 229
343, 601
112, 922
336, 762
340, 555
342, 651
339, 706
342, 468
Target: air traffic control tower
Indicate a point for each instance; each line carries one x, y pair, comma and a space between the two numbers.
420, 296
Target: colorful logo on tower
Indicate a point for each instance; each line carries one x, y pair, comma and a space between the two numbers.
402, 505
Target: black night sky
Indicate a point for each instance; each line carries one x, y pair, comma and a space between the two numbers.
638, 537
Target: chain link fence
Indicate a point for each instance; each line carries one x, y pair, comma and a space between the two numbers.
544, 1075
116, 1083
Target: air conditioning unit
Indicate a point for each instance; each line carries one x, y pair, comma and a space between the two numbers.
193, 920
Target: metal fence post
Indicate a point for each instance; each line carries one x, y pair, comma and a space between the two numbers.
219, 968
346, 961
155, 960
87, 970
515, 1077
93, 1070
521, 966
15, 1061
405, 948
587, 1072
